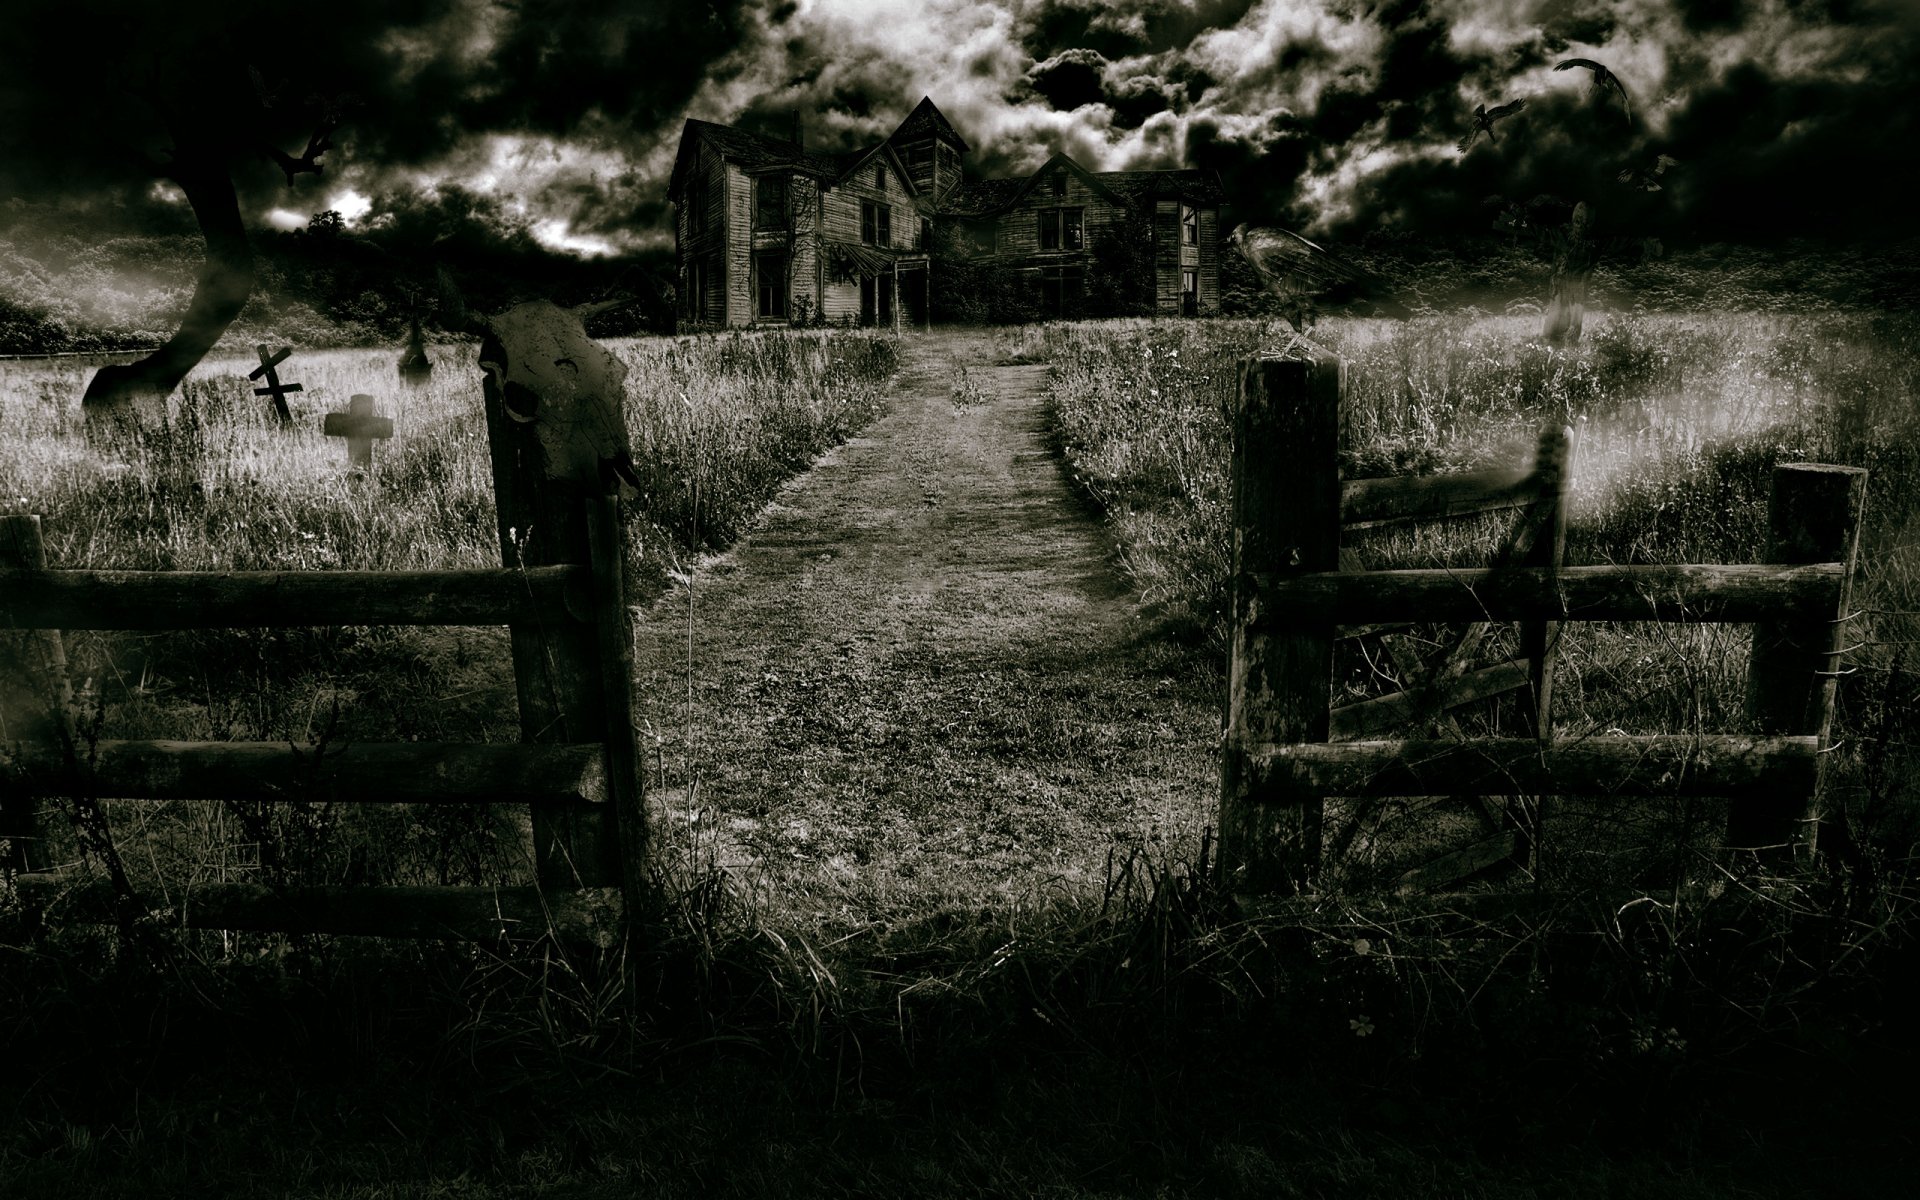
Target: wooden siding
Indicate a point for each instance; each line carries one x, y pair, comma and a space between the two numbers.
844, 200
706, 178
801, 244
1017, 230
739, 290
1166, 256
1209, 261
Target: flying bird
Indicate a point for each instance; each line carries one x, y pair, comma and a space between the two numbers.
1647, 179
1602, 80
1297, 272
1483, 119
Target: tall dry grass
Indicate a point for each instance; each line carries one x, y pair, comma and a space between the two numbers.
717, 423
1681, 420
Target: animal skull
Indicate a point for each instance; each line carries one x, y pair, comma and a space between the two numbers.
549, 374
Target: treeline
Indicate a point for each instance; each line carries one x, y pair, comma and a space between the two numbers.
78, 280
1422, 275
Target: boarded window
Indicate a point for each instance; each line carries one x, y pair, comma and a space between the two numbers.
1189, 225
876, 223
770, 284
770, 202
1061, 229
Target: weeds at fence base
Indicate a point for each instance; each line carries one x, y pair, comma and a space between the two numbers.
1151, 1038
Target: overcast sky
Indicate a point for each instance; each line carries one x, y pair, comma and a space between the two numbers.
1787, 117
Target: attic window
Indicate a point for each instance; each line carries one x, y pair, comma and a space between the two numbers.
1059, 183
880, 177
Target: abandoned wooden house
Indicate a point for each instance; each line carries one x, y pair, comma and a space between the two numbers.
768, 232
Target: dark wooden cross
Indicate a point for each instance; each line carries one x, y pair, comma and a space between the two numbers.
359, 426
274, 387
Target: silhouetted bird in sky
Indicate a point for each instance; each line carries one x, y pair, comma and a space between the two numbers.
1647, 179
1297, 271
1483, 118
1602, 80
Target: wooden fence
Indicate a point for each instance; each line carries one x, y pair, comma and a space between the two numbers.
1296, 593
561, 595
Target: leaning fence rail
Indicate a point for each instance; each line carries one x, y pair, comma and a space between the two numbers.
1297, 592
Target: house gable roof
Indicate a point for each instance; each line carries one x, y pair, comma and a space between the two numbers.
927, 121
856, 159
752, 151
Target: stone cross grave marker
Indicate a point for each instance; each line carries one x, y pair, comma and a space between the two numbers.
359, 426
274, 387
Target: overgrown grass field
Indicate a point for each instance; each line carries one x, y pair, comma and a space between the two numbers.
1680, 421
717, 424
1138, 1038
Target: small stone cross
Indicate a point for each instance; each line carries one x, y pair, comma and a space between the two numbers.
274, 387
359, 426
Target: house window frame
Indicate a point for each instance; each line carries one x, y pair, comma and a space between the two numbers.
876, 223
1055, 224
770, 302
1059, 184
782, 216
880, 177
1189, 225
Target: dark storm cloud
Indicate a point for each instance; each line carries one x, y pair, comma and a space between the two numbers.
92, 95
1788, 117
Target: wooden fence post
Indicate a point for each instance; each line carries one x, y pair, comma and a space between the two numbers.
1813, 516
614, 632
35, 700
556, 662
1540, 640
1286, 521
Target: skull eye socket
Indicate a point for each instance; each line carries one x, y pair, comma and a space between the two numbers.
521, 402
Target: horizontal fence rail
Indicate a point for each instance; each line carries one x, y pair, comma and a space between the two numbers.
1298, 593
1394, 498
1655, 765
359, 772
1703, 593
155, 600
592, 914
1385, 712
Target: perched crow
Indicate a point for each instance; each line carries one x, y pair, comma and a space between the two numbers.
1602, 80
1483, 118
1297, 272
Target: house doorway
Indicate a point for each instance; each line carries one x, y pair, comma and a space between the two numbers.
876, 299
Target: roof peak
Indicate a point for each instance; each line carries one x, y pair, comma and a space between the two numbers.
926, 120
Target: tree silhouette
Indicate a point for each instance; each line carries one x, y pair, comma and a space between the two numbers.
205, 144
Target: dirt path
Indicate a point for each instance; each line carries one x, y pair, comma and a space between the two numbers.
918, 678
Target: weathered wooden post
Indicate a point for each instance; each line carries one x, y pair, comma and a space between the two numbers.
1540, 640
573, 676
35, 701
1813, 516
1286, 521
